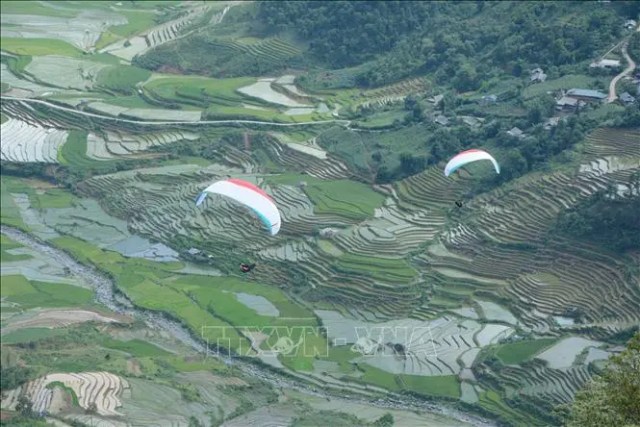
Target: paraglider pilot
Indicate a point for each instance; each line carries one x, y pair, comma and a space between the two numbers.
245, 268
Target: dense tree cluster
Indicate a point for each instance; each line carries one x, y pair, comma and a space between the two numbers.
607, 218
12, 377
462, 42
613, 398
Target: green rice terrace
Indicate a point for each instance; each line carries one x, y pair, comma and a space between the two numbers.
392, 295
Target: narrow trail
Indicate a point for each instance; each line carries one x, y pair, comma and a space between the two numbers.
107, 295
632, 65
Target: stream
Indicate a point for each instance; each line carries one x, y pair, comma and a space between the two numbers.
118, 303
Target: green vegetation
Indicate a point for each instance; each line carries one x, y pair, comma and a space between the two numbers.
614, 397
30, 335
38, 47
9, 211
358, 55
122, 78
31, 293
135, 347
518, 352
350, 199
205, 53
33, 8
491, 401
154, 286
390, 270
200, 90
13, 376
606, 218
328, 418
567, 82
444, 386
7, 244
68, 390
74, 155
402, 38
137, 22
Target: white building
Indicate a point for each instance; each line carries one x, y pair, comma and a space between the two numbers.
606, 63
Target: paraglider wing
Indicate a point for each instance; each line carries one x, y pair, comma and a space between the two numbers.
469, 156
251, 196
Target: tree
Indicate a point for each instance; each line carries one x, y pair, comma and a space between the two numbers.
13, 377
25, 406
612, 399
384, 421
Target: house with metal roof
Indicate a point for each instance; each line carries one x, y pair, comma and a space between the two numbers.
566, 102
606, 63
442, 120
516, 132
489, 99
627, 98
538, 75
586, 94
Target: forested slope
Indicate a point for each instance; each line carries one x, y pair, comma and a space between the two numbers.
469, 41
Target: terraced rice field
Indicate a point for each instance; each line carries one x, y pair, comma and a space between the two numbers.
82, 29
65, 73
262, 90
160, 34
57, 319
112, 145
102, 388
444, 346
504, 240
145, 113
23, 142
271, 50
396, 92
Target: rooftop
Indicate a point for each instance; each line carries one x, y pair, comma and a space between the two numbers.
515, 132
442, 120
586, 93
436, 99
606, 63
627, 98
567, 101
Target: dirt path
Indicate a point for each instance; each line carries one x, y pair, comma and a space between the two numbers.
632, 65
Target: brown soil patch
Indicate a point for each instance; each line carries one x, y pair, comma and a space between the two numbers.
133, 367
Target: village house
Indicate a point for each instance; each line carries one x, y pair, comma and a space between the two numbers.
606, 63
626, 98
471, 121
442, 120
566, 102
586, 94
516, 132
488, 99
551, 122
435, 100
538, 75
